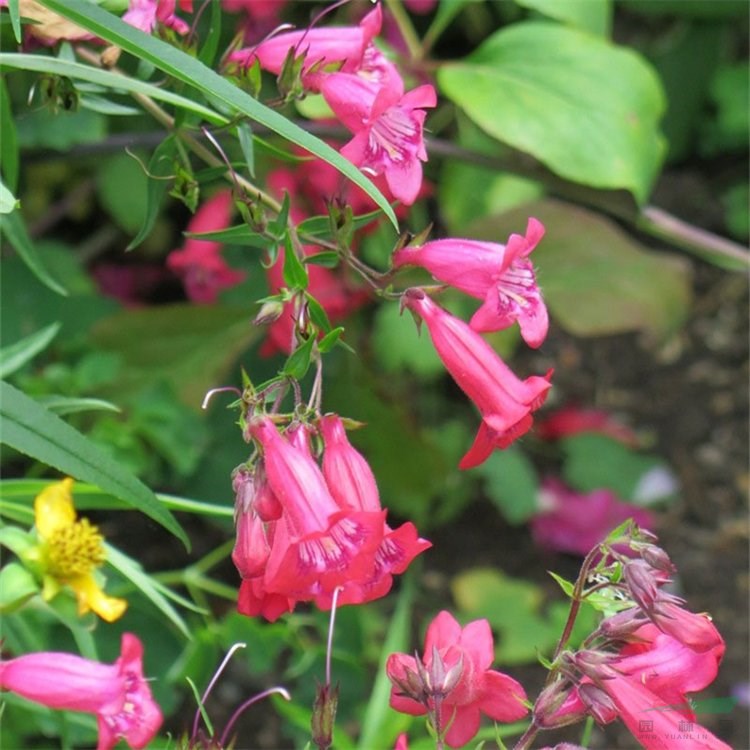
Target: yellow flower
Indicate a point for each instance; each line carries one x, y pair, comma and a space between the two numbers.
71, 551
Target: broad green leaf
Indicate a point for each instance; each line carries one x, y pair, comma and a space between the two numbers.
399, 345
79, 71
30, 429
17, 585
597, 280
511, 483
187, 69
122, 188
14, 229
160, 166
15, 356
594, 16
295, 273
190, 346
585, 108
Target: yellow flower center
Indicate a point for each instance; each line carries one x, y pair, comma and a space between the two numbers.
75, 549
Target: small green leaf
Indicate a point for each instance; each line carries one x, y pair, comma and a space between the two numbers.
329, 259
9, 140
61, 405
210, 46
15, 19
299, 360
585, 108
160, 166
237, 235
30, 429
318, 315
330, 339
15, 356
564, 584
14, 229
295, 273
245, 137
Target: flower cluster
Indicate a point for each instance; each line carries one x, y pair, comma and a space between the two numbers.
306, 529
365, 92
504, 278
642, 661
453, 683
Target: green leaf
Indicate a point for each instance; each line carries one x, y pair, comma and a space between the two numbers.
511, 483
245, 137
150, 588
399, 345
15, 356
210, 46
190, 346
15, 19
160, 166
330, 339
327, 259
594, 16
187, 69
31, 429
597, 280
17, 586
79, 71
295, 273
318, 315
14, 229
585, 108
61, 405
299, 360
596, 461
237, 235
122, 188
9, 141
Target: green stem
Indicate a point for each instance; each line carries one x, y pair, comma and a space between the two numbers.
406, 27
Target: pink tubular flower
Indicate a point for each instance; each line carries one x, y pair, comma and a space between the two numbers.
199, 263
338, 47
454, 682
387, 125
353, 486
501, 275
117, 693
575, 522
145, 14
504, 401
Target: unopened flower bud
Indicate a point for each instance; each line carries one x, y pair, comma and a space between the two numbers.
622, 624
270, 311
641, 583
657, 558
324, 715
550, 711
598, 703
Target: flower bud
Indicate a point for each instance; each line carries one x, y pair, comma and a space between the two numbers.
550, 711
270, 311
622, 624
641, 583
324, 715
657, 558
598, 703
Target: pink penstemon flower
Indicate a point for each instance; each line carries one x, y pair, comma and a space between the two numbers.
118, 694
453, 682
146, 14
199, 263
504, 401
352, 485
501, 275
387, 125
332, 47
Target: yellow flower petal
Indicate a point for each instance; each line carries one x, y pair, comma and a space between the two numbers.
53, 508
91, 597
